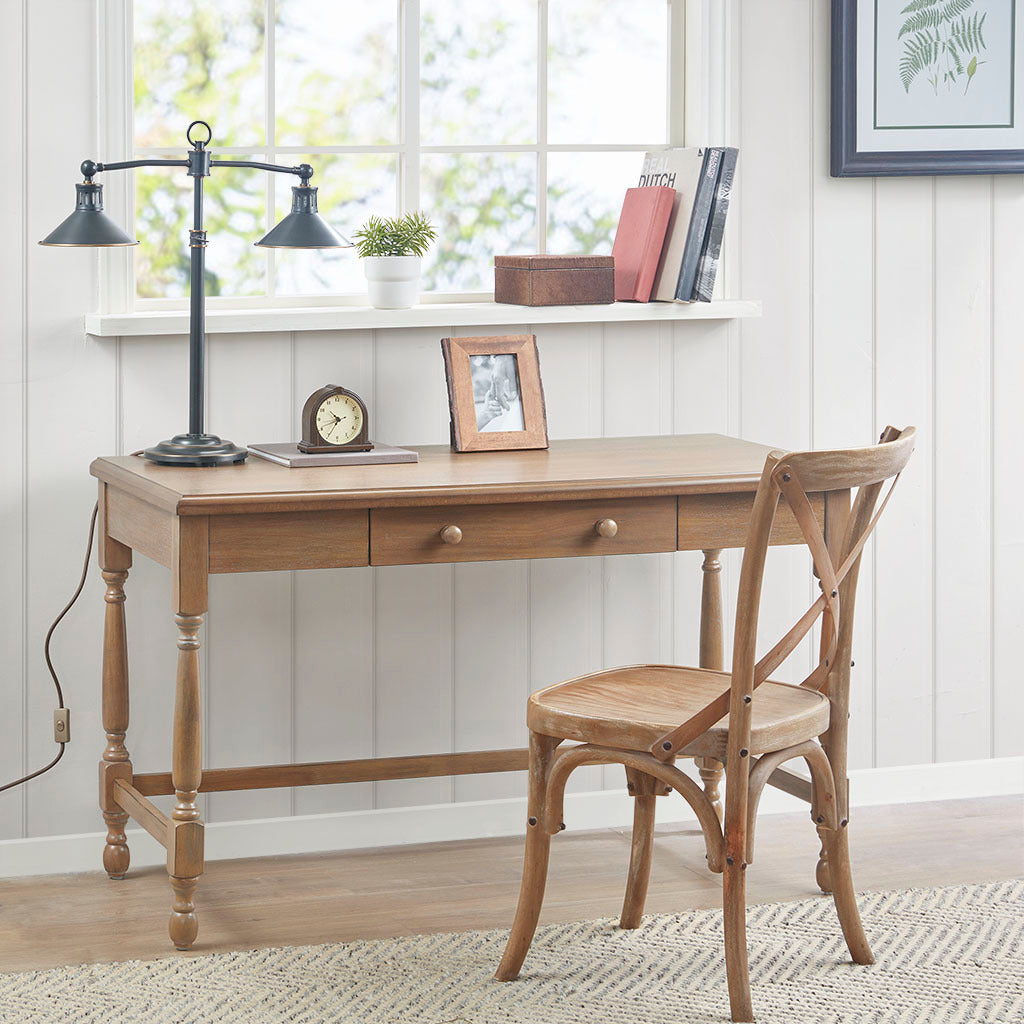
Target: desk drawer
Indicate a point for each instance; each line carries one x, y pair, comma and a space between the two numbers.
721, 520
288, 540
482, 533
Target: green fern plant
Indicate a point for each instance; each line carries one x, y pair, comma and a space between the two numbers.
933, 16
943, 42
408, 235
919, 53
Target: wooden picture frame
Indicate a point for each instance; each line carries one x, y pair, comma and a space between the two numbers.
868, 141
495, 393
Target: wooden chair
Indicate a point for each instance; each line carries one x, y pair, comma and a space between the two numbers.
631, 716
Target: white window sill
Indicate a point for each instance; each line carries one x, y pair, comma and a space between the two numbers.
456, 314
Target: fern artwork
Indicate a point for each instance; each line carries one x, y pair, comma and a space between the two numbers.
943, 43
927, 87
946, 64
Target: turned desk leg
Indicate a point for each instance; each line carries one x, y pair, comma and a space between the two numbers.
115, 560
711, 656
185, 848
185, 834
115, 763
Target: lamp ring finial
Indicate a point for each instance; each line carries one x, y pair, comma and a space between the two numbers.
197, 142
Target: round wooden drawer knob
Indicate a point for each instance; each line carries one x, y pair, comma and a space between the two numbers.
606, 527
451, 535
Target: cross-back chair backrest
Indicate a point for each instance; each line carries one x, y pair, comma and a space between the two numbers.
792, 477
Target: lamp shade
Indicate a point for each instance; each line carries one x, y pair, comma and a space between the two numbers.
304, 228
88, 225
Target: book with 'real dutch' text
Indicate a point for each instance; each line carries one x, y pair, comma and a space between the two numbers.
639, 239
679, 169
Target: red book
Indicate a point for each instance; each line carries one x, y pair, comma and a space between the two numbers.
643, 224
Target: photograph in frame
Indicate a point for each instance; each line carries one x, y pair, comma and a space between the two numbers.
495, 393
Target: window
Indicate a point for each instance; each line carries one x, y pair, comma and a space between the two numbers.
516, 125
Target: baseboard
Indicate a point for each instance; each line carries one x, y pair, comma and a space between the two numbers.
316, 833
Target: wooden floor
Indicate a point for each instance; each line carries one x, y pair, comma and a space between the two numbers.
69, 919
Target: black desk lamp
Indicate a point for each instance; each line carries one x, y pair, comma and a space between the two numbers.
303, 228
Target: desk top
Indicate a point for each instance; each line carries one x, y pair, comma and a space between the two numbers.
592, 468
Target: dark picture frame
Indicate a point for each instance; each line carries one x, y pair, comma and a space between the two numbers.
848, 161
490, 380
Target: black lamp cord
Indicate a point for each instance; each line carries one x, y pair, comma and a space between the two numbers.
46, 652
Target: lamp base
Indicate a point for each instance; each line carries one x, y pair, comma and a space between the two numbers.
195, 450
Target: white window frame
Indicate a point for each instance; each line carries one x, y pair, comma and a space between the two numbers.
697, 40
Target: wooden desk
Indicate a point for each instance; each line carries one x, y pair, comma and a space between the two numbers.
605, 496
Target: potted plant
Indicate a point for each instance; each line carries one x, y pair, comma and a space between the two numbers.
392, 250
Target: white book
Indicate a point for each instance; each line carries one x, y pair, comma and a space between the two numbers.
290, 456
679, 169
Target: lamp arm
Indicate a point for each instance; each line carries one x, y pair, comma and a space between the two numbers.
304, 171
90, 167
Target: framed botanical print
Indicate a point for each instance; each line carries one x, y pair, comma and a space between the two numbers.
495, 393
927, 87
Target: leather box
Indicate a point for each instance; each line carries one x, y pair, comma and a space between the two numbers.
554, 280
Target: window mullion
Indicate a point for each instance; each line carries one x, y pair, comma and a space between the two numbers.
270, 135
676, 77
542, 125
409, 106
687, 43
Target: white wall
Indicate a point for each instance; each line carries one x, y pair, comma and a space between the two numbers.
885, 301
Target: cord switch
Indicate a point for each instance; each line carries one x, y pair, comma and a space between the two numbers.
62, 725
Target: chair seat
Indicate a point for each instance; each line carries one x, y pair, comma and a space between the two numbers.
631, 708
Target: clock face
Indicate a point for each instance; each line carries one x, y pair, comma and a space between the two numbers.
339, 419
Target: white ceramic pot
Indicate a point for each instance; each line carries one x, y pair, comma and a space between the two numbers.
393, 281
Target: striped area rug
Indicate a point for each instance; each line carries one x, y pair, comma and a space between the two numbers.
944, 956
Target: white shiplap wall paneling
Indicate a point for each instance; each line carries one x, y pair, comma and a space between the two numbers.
775, 234
775, 231
249, 686
14, 351
571, 366
842, 405
963, 480
491, 668
414, 685
1007, 433
70, 412
701, 388
410, 396
904, 376
333, 678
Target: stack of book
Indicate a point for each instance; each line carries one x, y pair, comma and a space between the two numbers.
669, 239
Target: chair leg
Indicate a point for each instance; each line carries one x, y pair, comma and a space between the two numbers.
822, 874
737, 973
535, 862
843, 893
642, 788
711, 772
